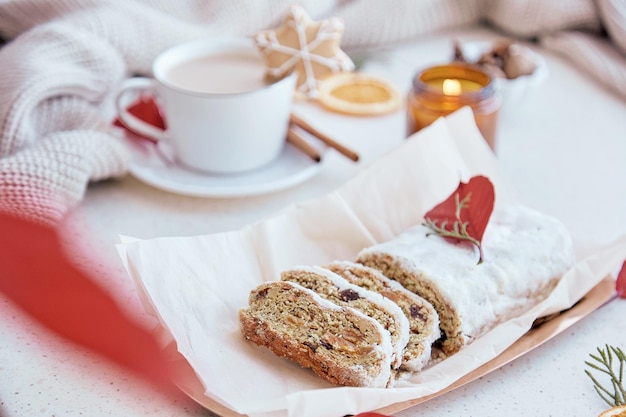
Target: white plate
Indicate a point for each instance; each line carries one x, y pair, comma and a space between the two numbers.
291, 167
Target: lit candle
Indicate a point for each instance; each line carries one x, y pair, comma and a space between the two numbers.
441, 90
451, 87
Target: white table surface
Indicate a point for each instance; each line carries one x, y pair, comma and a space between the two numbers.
564, 149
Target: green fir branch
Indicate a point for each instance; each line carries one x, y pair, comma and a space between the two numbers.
605, 363
459, 228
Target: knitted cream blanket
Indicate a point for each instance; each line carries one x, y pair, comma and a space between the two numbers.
64, 59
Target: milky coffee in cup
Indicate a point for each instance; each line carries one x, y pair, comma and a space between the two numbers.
221, 73
222, 116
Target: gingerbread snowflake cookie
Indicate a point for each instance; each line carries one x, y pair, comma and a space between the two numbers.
309, 48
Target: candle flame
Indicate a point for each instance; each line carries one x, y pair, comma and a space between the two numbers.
451, 87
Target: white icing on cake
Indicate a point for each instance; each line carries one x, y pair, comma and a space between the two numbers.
525, 254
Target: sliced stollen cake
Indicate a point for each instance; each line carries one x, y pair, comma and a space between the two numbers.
525, 254
340, 344
339, 291
422, 316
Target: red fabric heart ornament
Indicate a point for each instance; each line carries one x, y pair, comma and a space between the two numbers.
620, 283
146, 109
465, 213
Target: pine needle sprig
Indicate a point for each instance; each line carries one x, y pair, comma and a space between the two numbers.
605, 362
459, 227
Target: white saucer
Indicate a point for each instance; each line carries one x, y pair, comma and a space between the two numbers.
292, 167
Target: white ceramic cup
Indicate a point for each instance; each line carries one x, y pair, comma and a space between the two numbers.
221, 115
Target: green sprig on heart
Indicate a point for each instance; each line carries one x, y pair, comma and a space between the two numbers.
464, 215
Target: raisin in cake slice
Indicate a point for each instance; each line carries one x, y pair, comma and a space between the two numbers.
340, 344
339, 291
422, 316
525, 254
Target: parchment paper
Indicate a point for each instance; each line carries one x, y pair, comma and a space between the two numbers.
196, 285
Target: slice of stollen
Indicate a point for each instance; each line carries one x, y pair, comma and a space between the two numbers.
339, 291
340, 344
422, 316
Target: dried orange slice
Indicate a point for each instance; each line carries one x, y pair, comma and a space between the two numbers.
619, 411
358, 94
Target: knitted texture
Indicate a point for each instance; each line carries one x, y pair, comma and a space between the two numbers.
52, 120
42, 182
379, 23
65, 59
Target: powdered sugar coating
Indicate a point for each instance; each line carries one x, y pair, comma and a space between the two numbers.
525, 254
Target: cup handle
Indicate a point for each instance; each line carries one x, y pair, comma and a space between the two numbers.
124, 99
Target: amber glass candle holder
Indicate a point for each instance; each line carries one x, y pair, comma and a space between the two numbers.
440, 90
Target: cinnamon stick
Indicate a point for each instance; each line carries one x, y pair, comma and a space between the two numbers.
299, 142
349, 153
